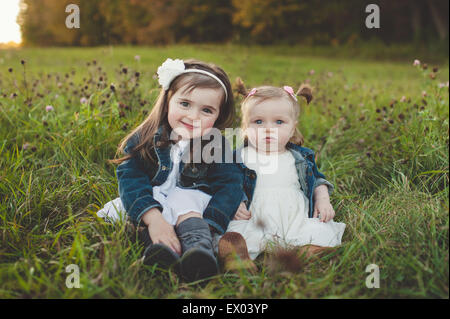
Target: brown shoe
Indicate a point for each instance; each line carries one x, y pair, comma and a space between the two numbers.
233, 253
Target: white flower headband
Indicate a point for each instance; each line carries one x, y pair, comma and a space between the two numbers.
170, 69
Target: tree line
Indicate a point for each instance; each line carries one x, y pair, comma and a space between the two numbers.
151, 22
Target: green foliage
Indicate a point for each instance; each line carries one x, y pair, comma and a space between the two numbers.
317, 22
380, 131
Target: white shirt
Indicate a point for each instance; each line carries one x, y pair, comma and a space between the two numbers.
175, 155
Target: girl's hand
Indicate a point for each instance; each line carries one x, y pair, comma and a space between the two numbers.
242, 213
323, 207
160, 231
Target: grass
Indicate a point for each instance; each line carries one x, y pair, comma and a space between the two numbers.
378, 137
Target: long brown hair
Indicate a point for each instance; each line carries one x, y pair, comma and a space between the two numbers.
158, 116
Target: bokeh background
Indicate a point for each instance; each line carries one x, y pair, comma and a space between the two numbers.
378, 123
314, 22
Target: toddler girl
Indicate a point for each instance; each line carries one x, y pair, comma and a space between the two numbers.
286, 196
179, 199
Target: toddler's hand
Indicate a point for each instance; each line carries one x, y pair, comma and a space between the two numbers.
324, 208
242, 213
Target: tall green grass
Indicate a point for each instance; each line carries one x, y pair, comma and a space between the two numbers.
378, 137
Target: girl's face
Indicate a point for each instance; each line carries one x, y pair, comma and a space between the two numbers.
271, 124
192, 114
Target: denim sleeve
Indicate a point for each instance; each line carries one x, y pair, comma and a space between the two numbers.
227, 195
135, 189
320, 179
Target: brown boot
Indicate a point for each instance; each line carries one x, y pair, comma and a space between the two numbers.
231, 246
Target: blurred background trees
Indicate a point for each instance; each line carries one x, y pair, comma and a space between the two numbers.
312, 22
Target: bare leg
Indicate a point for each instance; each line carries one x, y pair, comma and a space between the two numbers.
188, 215
314, 250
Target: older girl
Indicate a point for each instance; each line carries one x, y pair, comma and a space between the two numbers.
160, 184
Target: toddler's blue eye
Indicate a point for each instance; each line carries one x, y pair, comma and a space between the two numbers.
258, 121
280, 122
185, 104
206, 110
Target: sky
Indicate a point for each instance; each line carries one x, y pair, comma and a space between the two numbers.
9, 29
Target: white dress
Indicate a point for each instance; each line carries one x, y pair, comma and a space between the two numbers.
280, 208
174, 200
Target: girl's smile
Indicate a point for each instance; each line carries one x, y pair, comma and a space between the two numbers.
188, 126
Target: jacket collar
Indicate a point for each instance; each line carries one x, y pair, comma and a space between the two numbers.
299, 152
157, 136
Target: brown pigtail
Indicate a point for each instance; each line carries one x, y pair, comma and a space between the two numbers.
306, 91
240, 87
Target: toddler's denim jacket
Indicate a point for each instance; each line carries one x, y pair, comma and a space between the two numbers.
136, 179
308, 175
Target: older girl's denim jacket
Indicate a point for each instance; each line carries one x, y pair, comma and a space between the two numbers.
136, 179
308, 175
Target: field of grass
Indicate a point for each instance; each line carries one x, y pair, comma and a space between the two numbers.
380, 130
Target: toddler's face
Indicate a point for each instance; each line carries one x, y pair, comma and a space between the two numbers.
192, 114
271, 124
